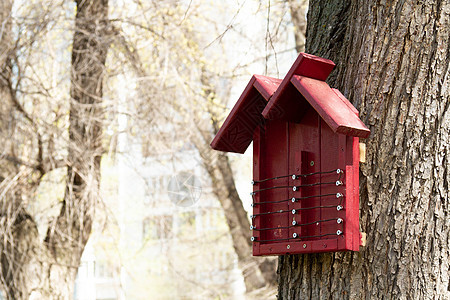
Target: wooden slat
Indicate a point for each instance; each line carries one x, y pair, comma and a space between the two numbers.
362, 152
363, 237
345, 100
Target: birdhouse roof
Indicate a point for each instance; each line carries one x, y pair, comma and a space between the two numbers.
236, 133
270, 98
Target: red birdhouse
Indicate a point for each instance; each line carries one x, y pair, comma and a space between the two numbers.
306, 160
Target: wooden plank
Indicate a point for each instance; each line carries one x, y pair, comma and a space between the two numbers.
355, 163
345, 100
304, 140
300, 247
335, 112
332, 156
258, 174
363, 239
273, 163
362, 152
352, 192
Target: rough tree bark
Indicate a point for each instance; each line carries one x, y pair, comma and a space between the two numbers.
393, 63
32, 268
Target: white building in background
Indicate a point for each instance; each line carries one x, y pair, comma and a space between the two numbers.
164, 250
163, 236
95, 280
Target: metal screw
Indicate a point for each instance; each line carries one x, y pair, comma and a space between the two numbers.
293, 211
339, 171
339, 220
252, 193
294, 176
338, 232
294, 188
304, 246
288, 246
339, 195
252, 204
253, 239
339, 207
252, 227
294, 223
293, 199
338, 183
252, 216
253, 182
311, 163
294, 235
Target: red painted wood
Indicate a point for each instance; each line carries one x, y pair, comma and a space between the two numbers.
281, 104
304, 140
312, 128
333, 110
273, 151
236, 133
345, 100
266, 85
355, 213
312, 140
258, 145
317, 246
332, 157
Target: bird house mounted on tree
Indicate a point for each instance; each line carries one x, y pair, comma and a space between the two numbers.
305, 160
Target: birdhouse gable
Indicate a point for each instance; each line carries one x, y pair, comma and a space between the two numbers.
331, 105
305, 86
236, 133
289, 99
305, 65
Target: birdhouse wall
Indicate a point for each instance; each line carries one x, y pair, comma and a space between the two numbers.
308, 148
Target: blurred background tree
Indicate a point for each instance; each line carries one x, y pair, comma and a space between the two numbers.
35, 143
90, 81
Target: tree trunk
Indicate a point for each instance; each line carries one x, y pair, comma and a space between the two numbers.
19, 232
257, 271
393, 63
30, 268
297, 9
70, 232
